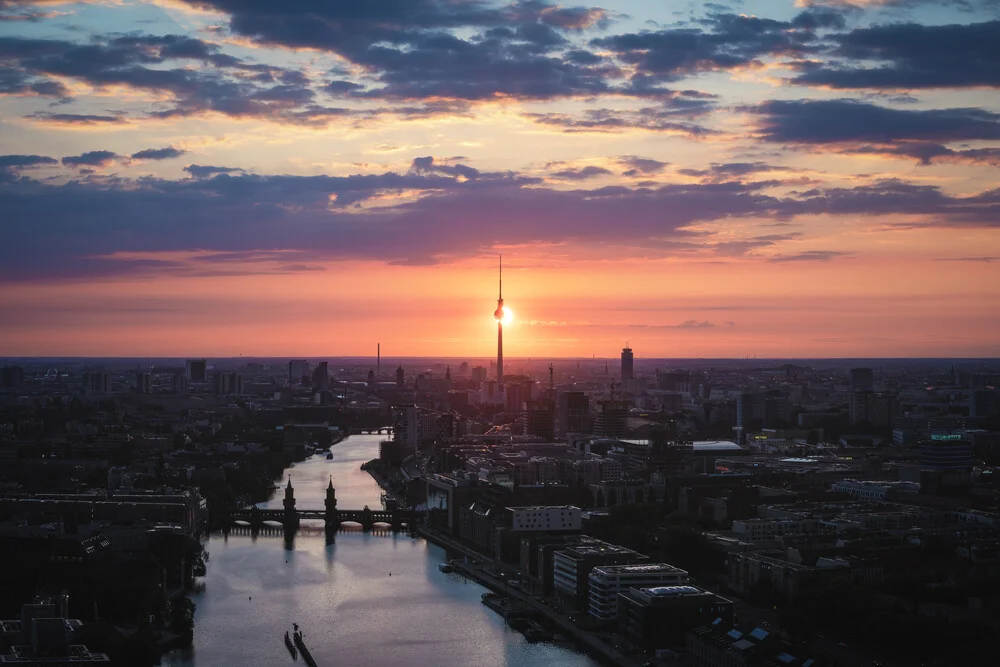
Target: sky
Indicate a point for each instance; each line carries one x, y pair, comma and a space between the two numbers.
695, 179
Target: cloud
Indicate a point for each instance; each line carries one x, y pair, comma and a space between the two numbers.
810, 256
641, 166
158, 153
580, 173
833, 121
652, 119
910, 55
21, 161
695, 324
91, 159
76, 119
437, 211
981, 260
205, 171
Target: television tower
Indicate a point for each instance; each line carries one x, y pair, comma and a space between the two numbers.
498, 316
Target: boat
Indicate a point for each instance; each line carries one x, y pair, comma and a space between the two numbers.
291, 646
446, 567
329, 455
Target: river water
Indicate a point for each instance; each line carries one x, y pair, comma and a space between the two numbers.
352, 612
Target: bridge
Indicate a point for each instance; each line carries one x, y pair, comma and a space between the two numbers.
290, 517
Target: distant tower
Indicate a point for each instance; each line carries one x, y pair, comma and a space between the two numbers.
378, 360
498, 316
447, 373
291, 516
400, 378
331, 507
627, 368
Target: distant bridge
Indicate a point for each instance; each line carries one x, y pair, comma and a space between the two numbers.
290, 517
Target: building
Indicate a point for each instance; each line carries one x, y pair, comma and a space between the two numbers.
540, 420
321, 377
228, 383
196, 370
406, 426
143, 382
43, 636
628, 371
606, 582
96, 382
611, 419
298, 370
178, 383
544, 518
720, 645
946, 452
862, 379
571, 568
478, 375
660, 617
880, 408
573, 413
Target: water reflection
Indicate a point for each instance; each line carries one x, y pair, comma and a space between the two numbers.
365, 598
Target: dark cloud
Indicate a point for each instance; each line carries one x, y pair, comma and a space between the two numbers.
77, 119
654, 119
837, 121
733, 41
810, 256
21, 161
910, 55
580, 173
640, 166
730, 170
436, 211
91, 159
926, 153
205, 171
978, 260
158, 153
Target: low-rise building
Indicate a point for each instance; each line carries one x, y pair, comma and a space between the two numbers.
660, 617
606, 582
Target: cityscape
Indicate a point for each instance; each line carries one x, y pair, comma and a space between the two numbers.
737, 403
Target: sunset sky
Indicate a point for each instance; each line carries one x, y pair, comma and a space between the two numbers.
720, 179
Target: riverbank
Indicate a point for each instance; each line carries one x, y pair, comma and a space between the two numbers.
478, 572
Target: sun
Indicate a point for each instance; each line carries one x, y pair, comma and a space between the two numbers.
508, 315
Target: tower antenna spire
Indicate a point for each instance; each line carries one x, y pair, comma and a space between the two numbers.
501, 277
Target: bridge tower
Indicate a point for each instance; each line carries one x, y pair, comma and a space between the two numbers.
331, 517
291, 518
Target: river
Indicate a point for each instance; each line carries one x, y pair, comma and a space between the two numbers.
352, 612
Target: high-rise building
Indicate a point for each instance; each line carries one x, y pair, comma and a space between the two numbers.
406, 425
540, 419
297, 370
179, 383
628, 372
228, 383
478, 375
196, 370
400, 377
143, 382
96, 382
573, 413
861, 379
611, 419
321, 377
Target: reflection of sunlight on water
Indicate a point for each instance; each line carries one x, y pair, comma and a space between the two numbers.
342, 595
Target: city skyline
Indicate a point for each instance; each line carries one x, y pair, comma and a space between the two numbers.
701, 180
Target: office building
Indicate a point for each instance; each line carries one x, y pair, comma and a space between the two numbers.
540, 419
628, 370
545, 518
946, 452
406, 426
321, 377
478, 375
573, 413
611, 419
43, 636
178, 383
96, 382
571, 568
196, 370
298, 371
228, 383
606, 582
660, 617
143, 382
